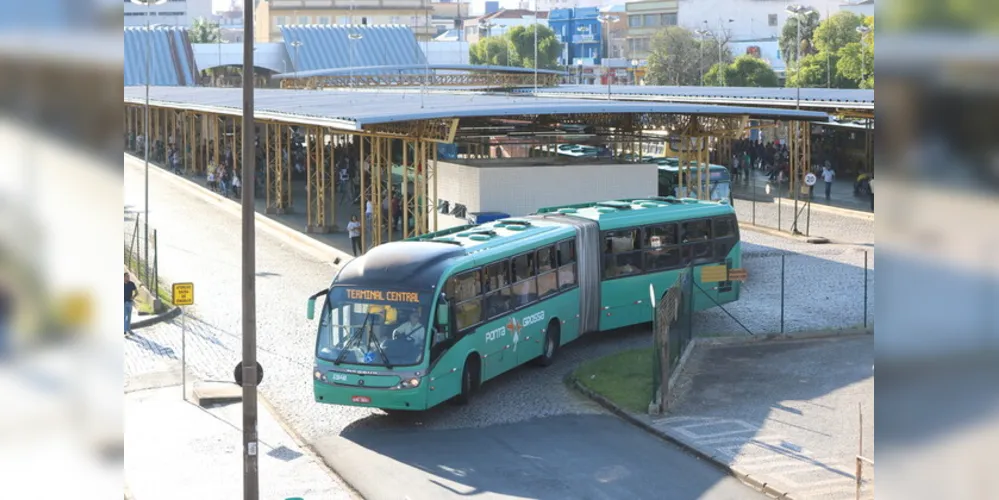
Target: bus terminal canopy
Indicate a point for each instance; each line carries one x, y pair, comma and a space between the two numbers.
415, 67
353, 111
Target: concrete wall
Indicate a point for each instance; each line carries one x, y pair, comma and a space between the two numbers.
519, 187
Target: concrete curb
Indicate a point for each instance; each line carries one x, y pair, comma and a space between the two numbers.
280, 231
819, 207
783, 234
778, 337
172, 313
703, 455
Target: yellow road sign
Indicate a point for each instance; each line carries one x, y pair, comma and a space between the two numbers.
714, 274
738, 275
183, 294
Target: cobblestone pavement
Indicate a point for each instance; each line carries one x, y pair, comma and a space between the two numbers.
835, 225
200, 243
784, 412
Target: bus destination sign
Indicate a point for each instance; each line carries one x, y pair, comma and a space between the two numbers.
382, 295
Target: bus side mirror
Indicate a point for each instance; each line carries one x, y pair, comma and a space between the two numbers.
443, 312
311, 308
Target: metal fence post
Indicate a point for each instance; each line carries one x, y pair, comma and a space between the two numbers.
156, 266
865, 288
782, 258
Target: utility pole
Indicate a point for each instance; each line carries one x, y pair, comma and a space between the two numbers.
251, 480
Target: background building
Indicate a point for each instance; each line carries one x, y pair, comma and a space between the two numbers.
645, 19
177, 13
501, 22
270, 15
581, 35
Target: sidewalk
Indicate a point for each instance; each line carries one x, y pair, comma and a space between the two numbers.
841, 195
177, 449
783, 413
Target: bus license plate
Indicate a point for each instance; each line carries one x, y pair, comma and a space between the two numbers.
360, 399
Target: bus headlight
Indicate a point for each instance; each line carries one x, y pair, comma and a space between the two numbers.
411, 383
319, 375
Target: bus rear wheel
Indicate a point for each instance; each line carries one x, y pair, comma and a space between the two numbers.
552, 340
469, 381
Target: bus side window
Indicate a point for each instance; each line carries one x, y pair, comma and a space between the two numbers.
726, 235
466, 289
661, 250
567, 264
622, 253
696, 239
525, 288
498, 296
547, 273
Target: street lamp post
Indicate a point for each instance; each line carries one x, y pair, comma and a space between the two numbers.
700, 63
145, 134
606, 20
353, 37
798, 11
488, 26
634, 71
863, 30
296, 44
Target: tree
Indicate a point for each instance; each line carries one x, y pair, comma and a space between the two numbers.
678, 57
789, 36
818, 71
203, 31
522, 42
745, 71
856, 59
516, 48
837, 31
492, 51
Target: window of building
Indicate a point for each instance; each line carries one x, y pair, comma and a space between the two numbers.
324, 20
394, 20
650, 20
464, 290
566, 255
772, 20
547, 272
669, 19
634, 21
171, 14
622, 253
280, 21
304, 20
343, 20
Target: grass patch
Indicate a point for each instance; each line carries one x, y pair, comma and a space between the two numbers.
624, 378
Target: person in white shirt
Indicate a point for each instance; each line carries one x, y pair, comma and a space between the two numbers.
369, 212
411, 330
828, 175
354, 231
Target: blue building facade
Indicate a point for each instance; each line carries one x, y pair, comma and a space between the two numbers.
581, 34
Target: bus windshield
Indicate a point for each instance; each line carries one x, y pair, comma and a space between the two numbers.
373, 326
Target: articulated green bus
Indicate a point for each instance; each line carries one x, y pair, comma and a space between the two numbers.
414, 323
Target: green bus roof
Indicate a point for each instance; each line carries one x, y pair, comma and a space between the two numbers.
497, 235
632, 212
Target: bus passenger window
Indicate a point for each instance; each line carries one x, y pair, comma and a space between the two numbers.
622, 253
465, 290
497, 275
726, 235
567, 264
661, 252
547, 275
697, 247
499, 302
525, 288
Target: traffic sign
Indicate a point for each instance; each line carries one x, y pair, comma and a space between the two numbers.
810, 179
737, 275
183, 294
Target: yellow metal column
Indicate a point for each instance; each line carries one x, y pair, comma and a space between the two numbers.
364, 194
316, 183
389, 226
405, 189
800, 150
331, 182
432, 172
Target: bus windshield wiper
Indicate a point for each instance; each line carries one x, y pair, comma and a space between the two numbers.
350, 340
378, 345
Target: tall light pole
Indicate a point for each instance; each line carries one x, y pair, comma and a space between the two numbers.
606, 20
145, 134
798, 11
536, 46
353, 37
296, 44
488, 26
703, 33
251, 482
863, 30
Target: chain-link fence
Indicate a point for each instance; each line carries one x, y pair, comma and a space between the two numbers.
672, 330
788, 292
140, 252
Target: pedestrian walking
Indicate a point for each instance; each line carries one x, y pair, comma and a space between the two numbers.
130, 293
828, 175
354, 231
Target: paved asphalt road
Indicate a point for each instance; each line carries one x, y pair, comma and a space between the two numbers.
566, 457
528, 435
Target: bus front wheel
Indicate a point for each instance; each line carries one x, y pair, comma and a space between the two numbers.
469, 380
552, 340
